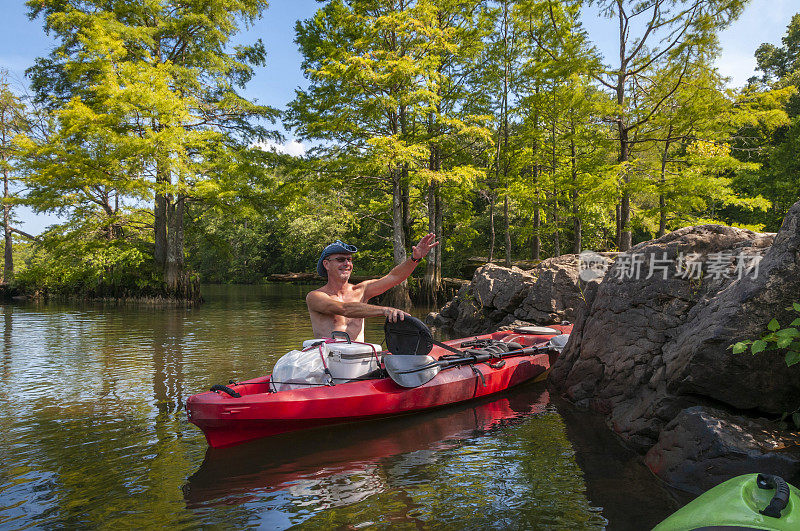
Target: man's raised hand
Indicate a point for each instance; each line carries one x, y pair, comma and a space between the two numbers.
421, 250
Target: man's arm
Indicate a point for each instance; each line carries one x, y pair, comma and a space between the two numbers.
373, 288
323, 303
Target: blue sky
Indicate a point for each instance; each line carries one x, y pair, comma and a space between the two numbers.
22, 40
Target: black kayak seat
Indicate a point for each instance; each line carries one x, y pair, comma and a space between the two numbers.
408, 337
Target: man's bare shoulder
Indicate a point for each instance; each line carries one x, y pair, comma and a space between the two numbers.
362, 286
349, 293
317, 294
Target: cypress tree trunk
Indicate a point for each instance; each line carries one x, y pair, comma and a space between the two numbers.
536, 241
433, 266
662, 199
429, 280
162, 180
404, 186
536, 244
406, 193
491, 225
8, 261
577, 227
504, 158
173, 268
398, 296
439, 249
625, 237
160, 215
556, 220
508, 231
556, 237
8, 256
576, 219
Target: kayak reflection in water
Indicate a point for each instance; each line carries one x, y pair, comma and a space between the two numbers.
342, 306
346, 464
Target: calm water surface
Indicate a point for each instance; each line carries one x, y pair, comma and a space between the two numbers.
94, 435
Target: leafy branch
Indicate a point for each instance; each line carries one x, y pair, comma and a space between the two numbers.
781, 338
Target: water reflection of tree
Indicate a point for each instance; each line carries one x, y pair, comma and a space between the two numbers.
5, 415
7, 325
168, 337
87, 444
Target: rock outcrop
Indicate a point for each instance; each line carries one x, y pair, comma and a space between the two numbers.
499, 297
702, 447
651, 345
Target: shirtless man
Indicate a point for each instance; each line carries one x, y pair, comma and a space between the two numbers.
339, 305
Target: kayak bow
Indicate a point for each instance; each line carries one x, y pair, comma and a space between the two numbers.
751, 501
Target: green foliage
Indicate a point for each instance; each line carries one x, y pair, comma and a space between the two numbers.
546, 144
144, 106
16, 119
418, 108
770, 131
69, 264
780, 62
778, 337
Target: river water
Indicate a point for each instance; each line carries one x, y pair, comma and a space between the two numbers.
94, 435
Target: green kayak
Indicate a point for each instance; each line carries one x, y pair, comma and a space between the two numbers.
751, 501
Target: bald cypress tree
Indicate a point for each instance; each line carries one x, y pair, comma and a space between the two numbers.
384, 98
13, 121
653, 35
146, 107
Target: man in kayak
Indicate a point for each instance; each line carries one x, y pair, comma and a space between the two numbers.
340, 305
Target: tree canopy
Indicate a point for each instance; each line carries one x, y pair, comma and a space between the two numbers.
497, 125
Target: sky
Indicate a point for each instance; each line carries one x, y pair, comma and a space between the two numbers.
22, 40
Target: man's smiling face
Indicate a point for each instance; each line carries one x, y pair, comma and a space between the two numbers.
339, 265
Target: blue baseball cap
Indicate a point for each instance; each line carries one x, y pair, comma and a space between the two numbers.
337, 247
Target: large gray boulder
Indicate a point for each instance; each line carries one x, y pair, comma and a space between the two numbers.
647, 347
702, 447
498, 297
557, 294
499, 288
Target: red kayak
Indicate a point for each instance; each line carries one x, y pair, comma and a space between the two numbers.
227, 419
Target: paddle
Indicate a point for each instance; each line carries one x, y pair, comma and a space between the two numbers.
415, 370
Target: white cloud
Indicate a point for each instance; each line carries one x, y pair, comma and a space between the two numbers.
738, 66
293, 147
762, 21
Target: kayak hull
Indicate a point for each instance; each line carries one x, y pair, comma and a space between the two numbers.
735, 504
227, 421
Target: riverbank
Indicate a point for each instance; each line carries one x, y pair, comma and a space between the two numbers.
12, 294
8, 292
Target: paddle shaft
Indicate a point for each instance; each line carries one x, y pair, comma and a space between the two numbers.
486, 356
476, 358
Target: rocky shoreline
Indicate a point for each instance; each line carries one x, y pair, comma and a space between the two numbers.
651, 346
